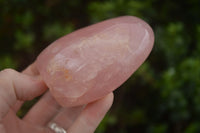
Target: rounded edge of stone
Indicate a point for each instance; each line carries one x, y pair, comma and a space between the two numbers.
134, 19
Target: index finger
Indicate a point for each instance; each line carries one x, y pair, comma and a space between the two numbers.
31, 70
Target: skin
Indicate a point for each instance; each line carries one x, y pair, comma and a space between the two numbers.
15, 88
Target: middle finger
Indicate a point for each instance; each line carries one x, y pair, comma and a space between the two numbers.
43, 111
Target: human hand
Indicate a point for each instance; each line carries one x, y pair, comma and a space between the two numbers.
46, 116
133, 43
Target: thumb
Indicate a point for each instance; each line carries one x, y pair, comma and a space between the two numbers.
17, 86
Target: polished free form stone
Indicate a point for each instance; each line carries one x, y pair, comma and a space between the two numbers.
89, 63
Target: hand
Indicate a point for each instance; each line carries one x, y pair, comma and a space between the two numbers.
46, 115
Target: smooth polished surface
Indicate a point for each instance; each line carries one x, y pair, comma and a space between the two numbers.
89, 63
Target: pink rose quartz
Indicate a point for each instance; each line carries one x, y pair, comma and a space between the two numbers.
89, 63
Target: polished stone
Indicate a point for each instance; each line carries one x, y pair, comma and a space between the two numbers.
91, 62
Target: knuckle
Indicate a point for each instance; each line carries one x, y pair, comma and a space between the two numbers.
7, 72
6, 76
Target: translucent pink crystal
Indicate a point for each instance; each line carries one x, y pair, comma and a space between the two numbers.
89, 63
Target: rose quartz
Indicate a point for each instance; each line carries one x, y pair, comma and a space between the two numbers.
89, 63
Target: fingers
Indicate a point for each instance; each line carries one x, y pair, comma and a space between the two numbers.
17, 86
91, 116
24, 87
31, 70
66, 117
43, 111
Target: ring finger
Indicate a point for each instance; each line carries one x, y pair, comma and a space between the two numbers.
82, 119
